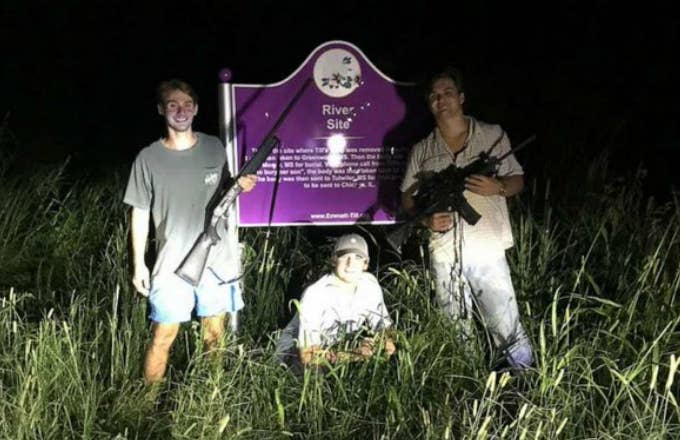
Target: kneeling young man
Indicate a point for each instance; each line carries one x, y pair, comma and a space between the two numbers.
339, 304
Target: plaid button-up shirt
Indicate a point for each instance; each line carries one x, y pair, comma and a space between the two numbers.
492, 232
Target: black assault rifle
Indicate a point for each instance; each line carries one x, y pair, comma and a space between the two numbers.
193, 265
443, 192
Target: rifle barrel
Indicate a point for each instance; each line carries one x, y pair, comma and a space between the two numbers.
288, 108
526, 142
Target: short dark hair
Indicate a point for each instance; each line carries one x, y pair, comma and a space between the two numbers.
169, 86
449, 72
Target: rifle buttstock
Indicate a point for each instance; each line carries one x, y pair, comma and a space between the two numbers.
191, 269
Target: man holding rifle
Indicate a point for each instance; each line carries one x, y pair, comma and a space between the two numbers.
174, 180
468, 262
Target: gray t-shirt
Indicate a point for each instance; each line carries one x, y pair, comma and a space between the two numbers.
176, 187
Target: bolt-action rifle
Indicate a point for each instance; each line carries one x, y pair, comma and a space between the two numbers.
443, 192
193, 265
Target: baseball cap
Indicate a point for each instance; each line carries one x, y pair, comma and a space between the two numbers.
351, 243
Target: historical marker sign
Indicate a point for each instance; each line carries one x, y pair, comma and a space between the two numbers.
343, 147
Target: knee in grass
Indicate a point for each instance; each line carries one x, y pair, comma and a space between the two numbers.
211, 335
162, 340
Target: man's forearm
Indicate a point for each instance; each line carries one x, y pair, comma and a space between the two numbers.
407, 203
511, 184
315, 354
139, 229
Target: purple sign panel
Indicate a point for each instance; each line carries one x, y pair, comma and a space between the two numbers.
343, 146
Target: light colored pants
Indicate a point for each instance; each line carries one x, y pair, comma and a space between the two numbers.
468, 282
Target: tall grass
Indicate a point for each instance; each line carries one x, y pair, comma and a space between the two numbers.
597, 279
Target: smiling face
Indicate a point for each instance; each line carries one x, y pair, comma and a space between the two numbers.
445, 99
179, 110
349, 267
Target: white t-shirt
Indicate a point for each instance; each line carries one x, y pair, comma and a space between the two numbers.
328, 310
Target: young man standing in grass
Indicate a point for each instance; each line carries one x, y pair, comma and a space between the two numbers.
339, 304
468, 262
172, 181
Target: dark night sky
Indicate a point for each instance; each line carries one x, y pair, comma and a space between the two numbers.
79, 77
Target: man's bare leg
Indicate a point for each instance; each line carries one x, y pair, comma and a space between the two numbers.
156, 362
213, 329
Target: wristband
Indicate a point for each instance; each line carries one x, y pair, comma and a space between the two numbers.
501, 189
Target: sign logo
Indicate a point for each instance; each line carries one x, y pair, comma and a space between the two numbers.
337, 73
210, 179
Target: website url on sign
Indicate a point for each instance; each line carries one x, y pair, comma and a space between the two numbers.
335, 216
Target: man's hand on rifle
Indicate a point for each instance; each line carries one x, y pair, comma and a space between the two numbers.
140, 279
247, 182
484, 185
439, 221
369, 346
504, 186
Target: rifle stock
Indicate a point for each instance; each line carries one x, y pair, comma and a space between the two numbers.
193, 265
